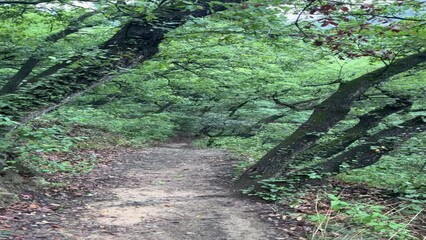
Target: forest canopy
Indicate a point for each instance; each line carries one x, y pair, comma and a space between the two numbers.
301, 91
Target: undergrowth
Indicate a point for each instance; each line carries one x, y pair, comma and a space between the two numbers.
337, 218
51, 144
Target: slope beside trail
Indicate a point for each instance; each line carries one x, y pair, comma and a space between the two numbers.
172, 192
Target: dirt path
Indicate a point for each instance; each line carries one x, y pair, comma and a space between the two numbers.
169, 193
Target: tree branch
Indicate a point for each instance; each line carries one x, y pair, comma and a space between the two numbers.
28, 66
326, 115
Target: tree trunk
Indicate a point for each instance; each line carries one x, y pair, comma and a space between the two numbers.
350, 135
28, 66
135, 42
326, 115
13, 82
366, 154
50, 71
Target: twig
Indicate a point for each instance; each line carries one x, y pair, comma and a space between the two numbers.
412, 219
296, 23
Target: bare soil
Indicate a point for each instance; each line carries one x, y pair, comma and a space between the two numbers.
171, 192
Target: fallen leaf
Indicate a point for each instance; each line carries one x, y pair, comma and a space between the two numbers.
33, 206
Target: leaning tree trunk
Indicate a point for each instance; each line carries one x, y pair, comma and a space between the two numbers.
326, 115
366, 122
138, 40
13, 82
363, 155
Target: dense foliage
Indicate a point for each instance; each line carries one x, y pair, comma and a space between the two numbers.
313, 89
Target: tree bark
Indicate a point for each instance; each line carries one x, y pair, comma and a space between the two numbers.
366, 154
326, 115
49, 71
13, 82
350, 135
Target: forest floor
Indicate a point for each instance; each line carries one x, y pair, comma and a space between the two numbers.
170, 192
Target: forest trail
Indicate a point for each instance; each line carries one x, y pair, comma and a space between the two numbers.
172, 192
